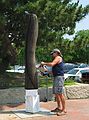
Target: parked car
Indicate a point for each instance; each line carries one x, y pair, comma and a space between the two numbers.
20, 69
69, 66
83, 65
76, 73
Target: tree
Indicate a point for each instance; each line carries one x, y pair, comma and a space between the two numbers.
81, 49
31, 39
9, 34
55, 18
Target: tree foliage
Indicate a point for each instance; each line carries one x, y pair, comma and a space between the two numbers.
56, 18
81, 46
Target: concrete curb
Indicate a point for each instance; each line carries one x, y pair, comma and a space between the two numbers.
17, 95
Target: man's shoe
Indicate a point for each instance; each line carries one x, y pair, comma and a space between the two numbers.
56, 110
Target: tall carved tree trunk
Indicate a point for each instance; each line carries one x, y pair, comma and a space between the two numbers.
31, 81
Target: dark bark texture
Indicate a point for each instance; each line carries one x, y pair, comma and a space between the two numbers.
31, 81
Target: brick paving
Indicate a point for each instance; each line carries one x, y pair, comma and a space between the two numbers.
77, 109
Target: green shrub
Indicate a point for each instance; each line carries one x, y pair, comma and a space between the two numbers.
69, 82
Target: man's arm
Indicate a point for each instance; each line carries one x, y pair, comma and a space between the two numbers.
54, 62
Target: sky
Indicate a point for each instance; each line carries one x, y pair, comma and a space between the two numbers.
84, 23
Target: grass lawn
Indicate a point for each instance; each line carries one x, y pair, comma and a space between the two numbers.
69, 82
10, 80
48, 81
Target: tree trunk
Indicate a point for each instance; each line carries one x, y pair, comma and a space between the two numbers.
31, 81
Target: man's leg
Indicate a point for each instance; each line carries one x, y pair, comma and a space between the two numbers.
58, 100
62, 98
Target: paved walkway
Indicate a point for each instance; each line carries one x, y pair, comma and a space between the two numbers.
76, 110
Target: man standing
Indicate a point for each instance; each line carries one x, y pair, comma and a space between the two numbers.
58, 82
